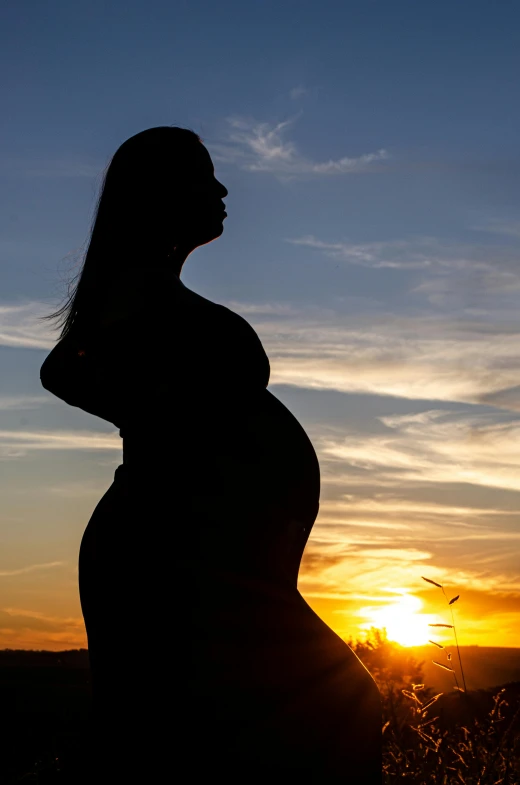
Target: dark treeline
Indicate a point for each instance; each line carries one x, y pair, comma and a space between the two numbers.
73, 658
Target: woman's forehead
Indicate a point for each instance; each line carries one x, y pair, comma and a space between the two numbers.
204, 161
197, 164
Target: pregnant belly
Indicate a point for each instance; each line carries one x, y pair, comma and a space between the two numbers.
288, 455
240, 487
248, 458
267, 487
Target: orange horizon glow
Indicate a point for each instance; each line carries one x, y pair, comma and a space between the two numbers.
402, 619
483, 618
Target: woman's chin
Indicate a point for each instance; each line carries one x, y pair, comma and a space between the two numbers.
216, 230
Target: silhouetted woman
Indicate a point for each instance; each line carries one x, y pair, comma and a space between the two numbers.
206, 661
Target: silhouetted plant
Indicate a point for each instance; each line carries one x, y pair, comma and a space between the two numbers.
451, 627
424, 740
394, 669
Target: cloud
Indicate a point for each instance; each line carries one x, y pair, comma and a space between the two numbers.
436, 446
483, 617
475, 280
20, 328
421, 253
345, 566
23, 442
427, 358
395, 513
24, 628
395, 554
31, 568
264, 309
22, 402
401, 254
499, 226
504, 399
78, 489
381, 533
260, 147
456, 336
297, 92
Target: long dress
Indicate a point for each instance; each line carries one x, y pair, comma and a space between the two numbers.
206, 661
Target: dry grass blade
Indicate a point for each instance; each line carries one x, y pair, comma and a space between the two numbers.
449, 626
446, 668
428, 580
432, 701
417, 687
428, 722
436, 644
454, 599
411, 695
425, 737
460, 759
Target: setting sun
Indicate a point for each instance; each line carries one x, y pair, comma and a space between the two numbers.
402, 619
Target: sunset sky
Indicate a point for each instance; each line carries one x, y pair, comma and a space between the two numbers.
371, 154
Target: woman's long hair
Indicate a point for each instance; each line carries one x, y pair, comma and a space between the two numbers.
134, 220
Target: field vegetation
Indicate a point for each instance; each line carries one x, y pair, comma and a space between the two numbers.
453, 737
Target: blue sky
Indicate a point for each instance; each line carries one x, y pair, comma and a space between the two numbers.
370, 151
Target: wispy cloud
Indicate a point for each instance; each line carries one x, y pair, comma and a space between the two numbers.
436, 446
297, 92
456, 336
20, 328
428, 358
77, 489
425, 253
22, 402
25, 628
393, 510
18, 443
260, 147
31, 568
262, 309
396, 253
362, 547
500, 226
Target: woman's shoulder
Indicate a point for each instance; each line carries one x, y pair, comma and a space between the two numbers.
137, 293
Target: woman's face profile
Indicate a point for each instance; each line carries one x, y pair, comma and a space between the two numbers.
200, 211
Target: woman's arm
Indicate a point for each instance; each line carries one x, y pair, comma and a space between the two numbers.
124, 348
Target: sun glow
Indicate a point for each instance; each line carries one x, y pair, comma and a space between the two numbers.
402, 620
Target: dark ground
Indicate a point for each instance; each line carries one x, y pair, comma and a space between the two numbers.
45, 703
44, 716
